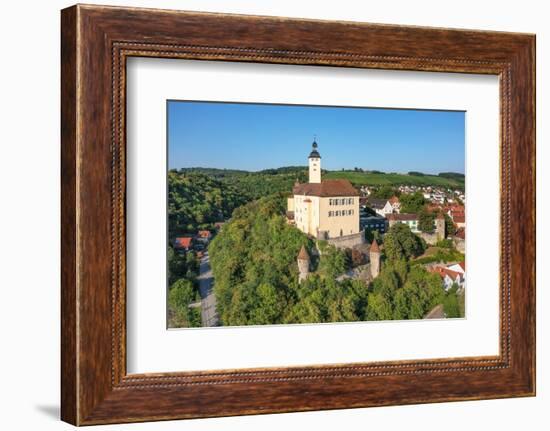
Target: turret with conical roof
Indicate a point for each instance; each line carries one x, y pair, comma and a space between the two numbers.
374, 254
303, 264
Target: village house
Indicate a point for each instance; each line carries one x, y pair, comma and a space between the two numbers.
383, 207
450, 277
326, 209
204, 236
458, 267
410, 220
395, 204
379, 206
183, 243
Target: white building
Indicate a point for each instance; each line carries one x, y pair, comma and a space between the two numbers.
325, 209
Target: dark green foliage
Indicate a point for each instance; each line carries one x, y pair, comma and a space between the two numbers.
412, 203
254, 263
416, 173
441, 255
254, 257
181, 294
453, 303
400, 243
384, 192
445, 243
450, 228
403, 292
252, 185
453, 176
333, 262
197, 201
371, 234
426, 221
181, 265
321, 299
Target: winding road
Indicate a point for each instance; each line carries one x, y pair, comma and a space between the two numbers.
209, 314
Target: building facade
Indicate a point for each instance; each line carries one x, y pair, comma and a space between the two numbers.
410, 220
325, 209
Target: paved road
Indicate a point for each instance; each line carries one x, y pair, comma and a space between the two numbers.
209, 314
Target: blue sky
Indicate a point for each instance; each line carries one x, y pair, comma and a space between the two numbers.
260, 136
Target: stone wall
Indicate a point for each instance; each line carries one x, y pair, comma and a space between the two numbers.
348, 241
430, 238
460, 244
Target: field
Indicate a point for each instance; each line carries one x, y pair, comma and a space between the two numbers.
383, 179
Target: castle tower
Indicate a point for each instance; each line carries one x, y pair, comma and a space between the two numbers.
440, 227
303, 264
374, 255
314, 164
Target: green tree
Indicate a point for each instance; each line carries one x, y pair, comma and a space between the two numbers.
412, 203
384, 192
450, 228
180, 295
401, 243
426, 221
333, 262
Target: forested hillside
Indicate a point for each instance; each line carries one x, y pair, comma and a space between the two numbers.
256, 184
197, 201
254, 263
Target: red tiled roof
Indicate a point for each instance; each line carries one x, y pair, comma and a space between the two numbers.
394, 200
442, 271
327, 188
462, 265
402, 217
461, 233
374, 247
183, 242
204, 234
459, 219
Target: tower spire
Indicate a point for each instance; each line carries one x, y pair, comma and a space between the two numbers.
314, 163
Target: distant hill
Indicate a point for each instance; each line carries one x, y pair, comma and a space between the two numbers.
374, 178
282, 178
213, 172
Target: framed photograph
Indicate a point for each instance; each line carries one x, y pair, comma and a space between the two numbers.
265, 215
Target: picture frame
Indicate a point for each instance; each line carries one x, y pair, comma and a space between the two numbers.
96, 42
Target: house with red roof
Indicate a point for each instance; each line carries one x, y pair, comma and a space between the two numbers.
183, 243
204, 236
458, 215
450, 277
410, 220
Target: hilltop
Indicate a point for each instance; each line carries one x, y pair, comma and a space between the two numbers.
285, 176
375, 178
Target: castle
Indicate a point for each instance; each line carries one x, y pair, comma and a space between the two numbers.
326, 209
